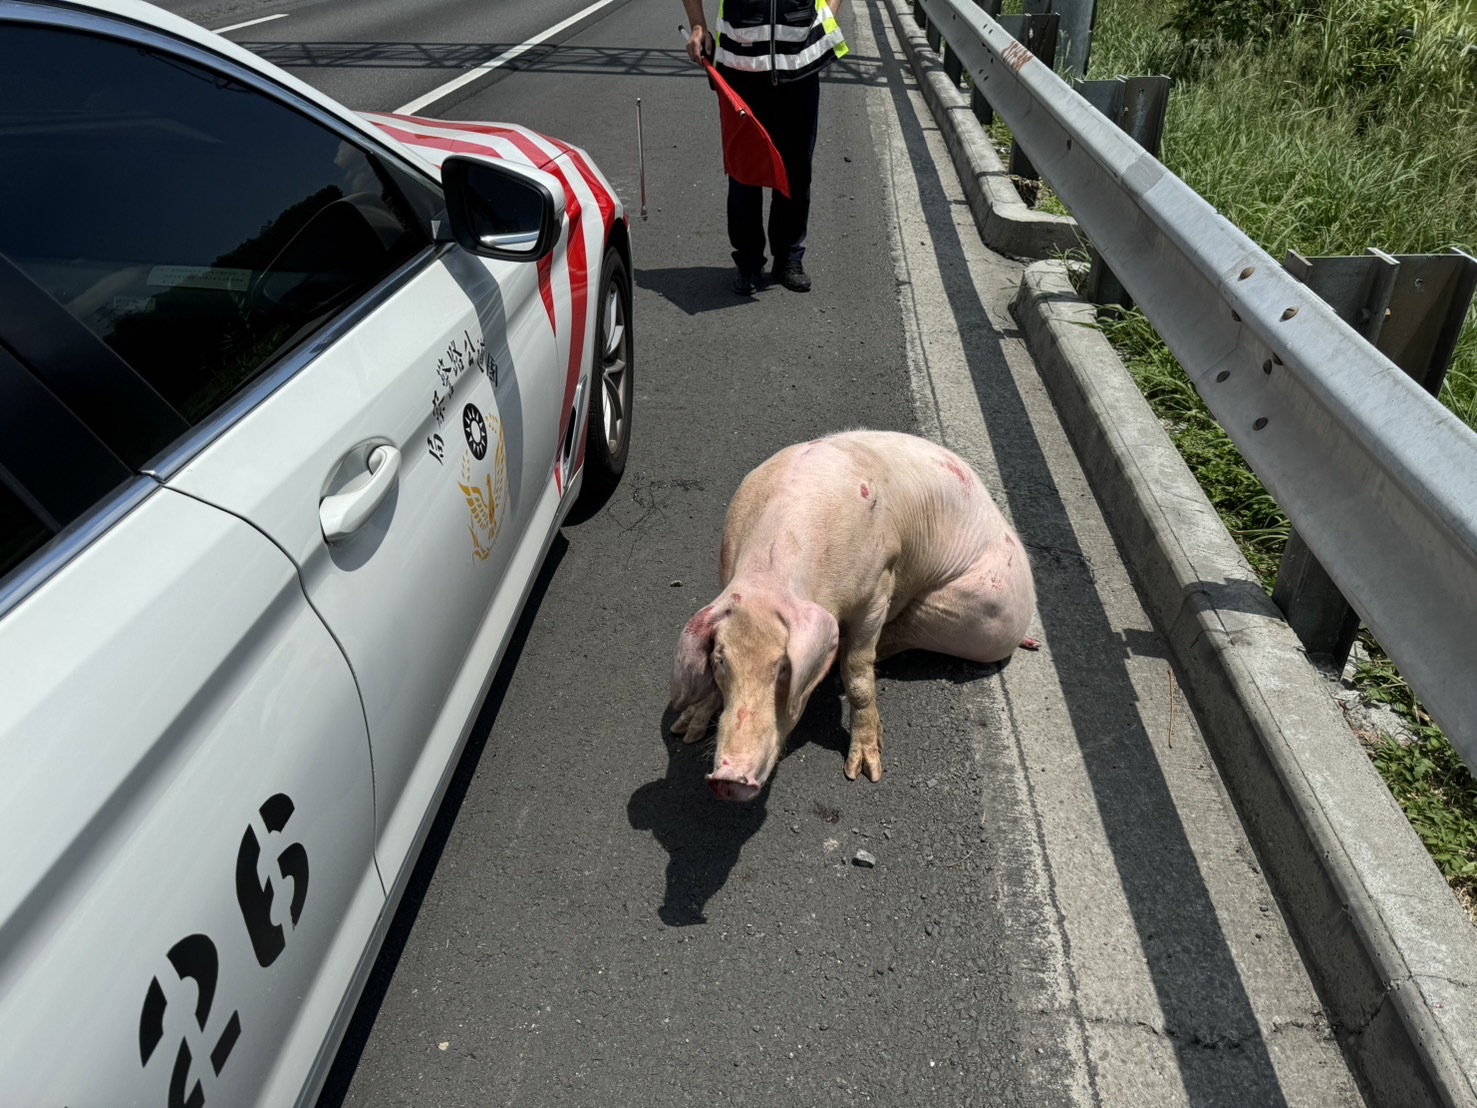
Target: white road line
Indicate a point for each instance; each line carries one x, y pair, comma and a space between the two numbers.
251, 23
502, 59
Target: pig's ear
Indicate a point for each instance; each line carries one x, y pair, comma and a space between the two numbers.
692, 675
814, 637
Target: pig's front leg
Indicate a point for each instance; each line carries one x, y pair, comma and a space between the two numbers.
692, 724
859, 673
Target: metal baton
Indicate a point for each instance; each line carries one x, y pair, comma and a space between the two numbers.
641, 158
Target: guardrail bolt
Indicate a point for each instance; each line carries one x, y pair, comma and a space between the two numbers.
1234, 316
1222, 375
1247, 272
1289, 314
1259, 424
1267, 366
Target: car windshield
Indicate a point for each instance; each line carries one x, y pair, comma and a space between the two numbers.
197, 226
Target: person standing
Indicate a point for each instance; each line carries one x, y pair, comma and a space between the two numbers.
771, 52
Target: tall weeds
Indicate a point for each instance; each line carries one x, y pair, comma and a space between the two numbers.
1325, 127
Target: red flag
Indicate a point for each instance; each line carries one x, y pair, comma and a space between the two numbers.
749, 154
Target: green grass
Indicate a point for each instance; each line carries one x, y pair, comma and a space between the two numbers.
1249, 513
1324, 129
1433, 787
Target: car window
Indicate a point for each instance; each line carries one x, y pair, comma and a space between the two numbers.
53, 468
21, 531
198, 227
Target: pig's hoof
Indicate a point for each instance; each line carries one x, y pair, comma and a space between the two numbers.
1030, 644
692, 724
691, 729
868, 761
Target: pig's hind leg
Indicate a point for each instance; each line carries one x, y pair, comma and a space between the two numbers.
981, 615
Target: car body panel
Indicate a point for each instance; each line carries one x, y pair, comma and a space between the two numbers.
197, 686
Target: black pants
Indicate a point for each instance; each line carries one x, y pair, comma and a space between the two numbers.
789, 111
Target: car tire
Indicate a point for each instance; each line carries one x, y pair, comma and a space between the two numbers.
608, 434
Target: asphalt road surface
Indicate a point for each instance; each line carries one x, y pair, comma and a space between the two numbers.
1063, 910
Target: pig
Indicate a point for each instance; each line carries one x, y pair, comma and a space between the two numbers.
864, 543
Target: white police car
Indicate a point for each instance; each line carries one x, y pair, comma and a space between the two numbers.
292, 403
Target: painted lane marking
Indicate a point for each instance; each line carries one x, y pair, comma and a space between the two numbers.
251, 23
501, 60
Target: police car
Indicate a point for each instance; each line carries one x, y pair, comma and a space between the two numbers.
292, 403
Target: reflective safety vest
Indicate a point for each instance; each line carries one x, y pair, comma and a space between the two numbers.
786, 38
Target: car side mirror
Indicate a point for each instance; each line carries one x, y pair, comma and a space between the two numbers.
499, 209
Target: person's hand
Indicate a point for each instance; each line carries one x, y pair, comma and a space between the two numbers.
699, 43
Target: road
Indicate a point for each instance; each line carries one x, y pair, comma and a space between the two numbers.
1064, 910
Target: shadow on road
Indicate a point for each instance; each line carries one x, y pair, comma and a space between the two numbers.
926, 665
1193, 970
702, 835
693, 288
336, 1086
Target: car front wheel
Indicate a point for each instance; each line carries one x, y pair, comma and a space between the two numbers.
609, 434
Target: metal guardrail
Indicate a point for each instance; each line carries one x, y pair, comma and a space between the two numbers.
1377, 476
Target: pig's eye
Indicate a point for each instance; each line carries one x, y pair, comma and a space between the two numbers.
719, 662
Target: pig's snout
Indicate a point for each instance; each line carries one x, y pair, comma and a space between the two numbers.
728, 783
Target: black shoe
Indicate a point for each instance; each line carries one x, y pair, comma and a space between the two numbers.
793, 276
745, 281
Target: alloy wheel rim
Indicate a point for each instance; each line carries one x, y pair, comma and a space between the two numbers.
615, 350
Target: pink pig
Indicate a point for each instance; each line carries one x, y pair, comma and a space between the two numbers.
886, 535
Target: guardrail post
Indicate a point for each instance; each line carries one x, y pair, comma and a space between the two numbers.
1037, 32
953, 67
1138, 105
1427, 309
1411, 308
920, 16
935, 40
1078, 19
981, 107
977, 102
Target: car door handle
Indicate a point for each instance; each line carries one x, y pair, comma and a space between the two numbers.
345, 512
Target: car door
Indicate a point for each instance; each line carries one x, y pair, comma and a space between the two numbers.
382, 450
437, 384
184, 768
